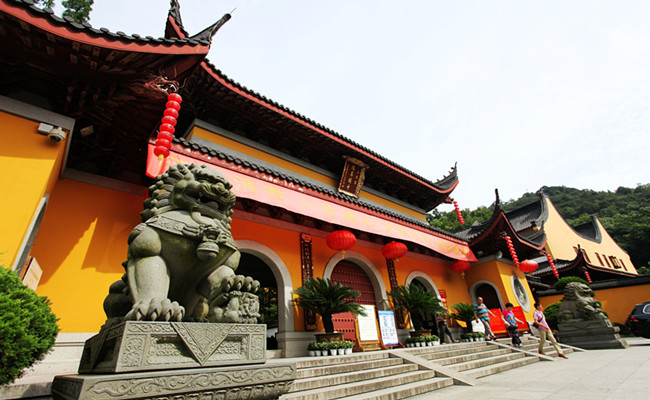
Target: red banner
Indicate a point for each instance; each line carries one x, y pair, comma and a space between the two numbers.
292, 198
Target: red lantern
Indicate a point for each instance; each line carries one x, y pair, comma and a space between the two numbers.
513, 253
170, 112
528, 266
160, 151
552, 265
460, 267
458, 213
175, 97
394, 250
167, 126
587, 276
341, 241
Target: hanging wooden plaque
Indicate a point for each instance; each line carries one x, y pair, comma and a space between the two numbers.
353, 176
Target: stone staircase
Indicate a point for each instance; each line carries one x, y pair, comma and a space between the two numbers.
402, 373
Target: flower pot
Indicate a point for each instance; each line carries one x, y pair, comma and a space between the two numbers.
419, 344
333, 352
341, 351
429, 343
436, 342
348, 350
318, 353
312, 353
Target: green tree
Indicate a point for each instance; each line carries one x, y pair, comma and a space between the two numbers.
417, 301
27, 326
464, 312
78, 10
325, 298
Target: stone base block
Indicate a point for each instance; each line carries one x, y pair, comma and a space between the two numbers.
212, 383
145, 346
591, 335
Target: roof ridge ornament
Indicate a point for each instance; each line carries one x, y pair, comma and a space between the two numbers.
209, 32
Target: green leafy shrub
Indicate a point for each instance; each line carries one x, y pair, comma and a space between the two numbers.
562, 282
27, 327
550, 313
624, 329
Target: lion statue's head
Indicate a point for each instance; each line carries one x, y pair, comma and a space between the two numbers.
193, 188
576, 290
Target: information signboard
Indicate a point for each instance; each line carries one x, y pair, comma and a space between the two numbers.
388, 328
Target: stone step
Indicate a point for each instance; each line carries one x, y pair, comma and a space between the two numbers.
455, 350
349, 377
404, 391
483, 362
356, 388
457, 347
500, 367
343, 368
309, 362
472, 356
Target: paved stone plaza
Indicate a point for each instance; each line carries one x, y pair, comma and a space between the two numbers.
594, 375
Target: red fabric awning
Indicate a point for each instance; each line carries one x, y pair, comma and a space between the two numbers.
293, 198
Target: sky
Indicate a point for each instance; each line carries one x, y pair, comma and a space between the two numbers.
521, 94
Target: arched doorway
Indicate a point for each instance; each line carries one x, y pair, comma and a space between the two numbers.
429, 319
489, 295
350, 274
253, 266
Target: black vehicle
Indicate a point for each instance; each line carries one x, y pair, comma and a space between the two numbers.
639, 320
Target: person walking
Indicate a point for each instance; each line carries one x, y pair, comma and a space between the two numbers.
545, 332
443, 329
482, 314
509, 319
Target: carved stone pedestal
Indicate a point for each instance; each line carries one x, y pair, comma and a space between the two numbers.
595, 334
176, 360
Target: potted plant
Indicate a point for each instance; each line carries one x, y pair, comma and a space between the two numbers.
341, 347
349, 345
312, 349
465, 313
464, 337
416, 301
325, 298
333, 347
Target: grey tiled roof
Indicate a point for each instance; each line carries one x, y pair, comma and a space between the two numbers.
69, 23
220, 154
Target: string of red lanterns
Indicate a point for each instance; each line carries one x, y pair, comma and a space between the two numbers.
552, 265
394, 250
167, 126
458, 213
587, 276
341, 241
513, 254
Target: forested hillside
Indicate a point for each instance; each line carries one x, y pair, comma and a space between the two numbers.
625, 214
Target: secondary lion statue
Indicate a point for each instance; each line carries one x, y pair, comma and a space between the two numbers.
578, 304
182, 258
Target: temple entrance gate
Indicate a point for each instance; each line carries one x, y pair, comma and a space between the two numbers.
350, 274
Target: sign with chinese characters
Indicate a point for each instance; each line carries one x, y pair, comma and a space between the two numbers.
353, 176
388, 328
276, 192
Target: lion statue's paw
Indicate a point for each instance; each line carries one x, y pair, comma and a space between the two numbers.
156, 309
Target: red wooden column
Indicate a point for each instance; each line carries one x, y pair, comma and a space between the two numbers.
399, 314
307, 267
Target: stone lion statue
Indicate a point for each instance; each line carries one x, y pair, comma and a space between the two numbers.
182, 258
578, 304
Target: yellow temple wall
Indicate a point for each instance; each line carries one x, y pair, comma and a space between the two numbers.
610, 299
80, 247
499, 273
31, 164
561, 240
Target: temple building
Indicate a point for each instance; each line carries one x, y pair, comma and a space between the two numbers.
80, 108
